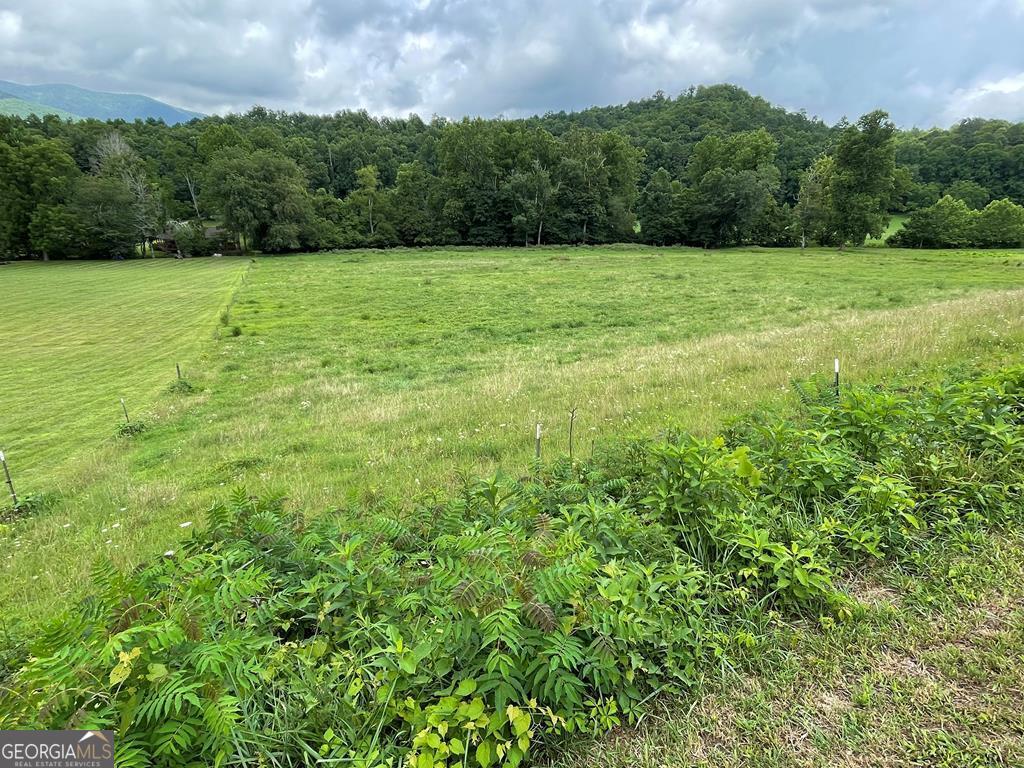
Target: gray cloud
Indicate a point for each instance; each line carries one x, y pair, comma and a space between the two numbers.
926, 62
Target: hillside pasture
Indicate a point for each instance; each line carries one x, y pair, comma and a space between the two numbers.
377, 376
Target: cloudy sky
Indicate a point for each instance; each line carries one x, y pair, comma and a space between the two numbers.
926, 61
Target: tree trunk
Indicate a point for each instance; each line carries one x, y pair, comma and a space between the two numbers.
192, 193
540, 228
584, 231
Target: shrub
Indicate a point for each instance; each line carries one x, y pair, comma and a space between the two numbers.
192, 240
181, 387
29, 505
471, 630
131, 428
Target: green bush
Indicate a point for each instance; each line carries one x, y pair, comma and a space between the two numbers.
131, 428
29, 505
181, 387
192, 240
477, 629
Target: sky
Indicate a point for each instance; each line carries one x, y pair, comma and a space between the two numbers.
928, 62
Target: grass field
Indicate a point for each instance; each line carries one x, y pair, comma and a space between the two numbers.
896, 223
377, 375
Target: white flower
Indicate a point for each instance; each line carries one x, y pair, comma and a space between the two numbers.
169, 553
186, 524
66, 525
122, 509
110, 541
116, 525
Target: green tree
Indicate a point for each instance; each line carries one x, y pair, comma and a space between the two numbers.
56, 231
735, 179
103, 207
415, 205
531, 193
815, 210
33, 176
368, 203
584, 185
729, 204
972, 193
862, 185
658, 225
1000, 225
949, 223
263, 197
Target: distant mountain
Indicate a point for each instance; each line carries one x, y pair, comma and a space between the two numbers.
11, 105
70, 100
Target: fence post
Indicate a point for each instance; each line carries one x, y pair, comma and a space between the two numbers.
836, 383
7, 474
537, 442
125, 409
572, 422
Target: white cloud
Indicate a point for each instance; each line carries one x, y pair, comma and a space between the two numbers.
1002, 98
10, 25
924, 61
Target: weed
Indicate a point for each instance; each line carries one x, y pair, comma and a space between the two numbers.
131, 428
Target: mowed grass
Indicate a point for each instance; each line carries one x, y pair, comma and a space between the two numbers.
372, 377
77, 337
896, 223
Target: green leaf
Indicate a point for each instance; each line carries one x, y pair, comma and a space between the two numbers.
156, 672
466, 687
475, 709
485, 753
521, 724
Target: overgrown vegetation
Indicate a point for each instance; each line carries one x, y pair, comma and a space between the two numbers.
480, 628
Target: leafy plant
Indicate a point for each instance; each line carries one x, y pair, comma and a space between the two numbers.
480, 629
131, 428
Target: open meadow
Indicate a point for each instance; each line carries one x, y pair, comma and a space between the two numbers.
356, 397
375, 376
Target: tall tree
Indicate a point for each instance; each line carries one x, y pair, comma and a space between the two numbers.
815, 211
261, 196
862, 184
531, 193
658, 225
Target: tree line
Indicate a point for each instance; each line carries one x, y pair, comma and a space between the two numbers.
712, 167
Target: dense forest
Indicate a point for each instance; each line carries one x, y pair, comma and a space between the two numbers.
713, 167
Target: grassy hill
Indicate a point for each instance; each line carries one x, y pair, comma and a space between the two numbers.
11, 105
71, 99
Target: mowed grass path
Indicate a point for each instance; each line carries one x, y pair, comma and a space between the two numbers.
76, 337
373, 376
